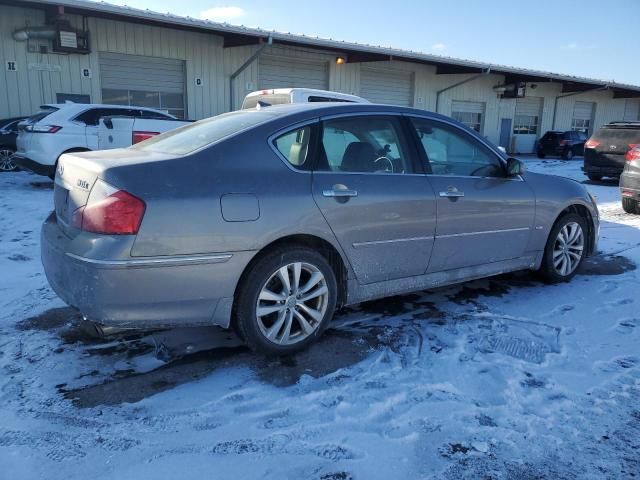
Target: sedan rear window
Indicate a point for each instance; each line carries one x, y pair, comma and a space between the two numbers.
190, 138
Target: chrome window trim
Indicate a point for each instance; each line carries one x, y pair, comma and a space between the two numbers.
154, 261
380, 174
517, 178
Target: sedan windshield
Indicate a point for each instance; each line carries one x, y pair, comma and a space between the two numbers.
190, 138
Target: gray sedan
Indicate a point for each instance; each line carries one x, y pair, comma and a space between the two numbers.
267, 220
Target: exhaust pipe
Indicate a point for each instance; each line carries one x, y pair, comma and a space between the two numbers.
26, 33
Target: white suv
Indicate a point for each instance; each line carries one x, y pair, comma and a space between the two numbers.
64, 128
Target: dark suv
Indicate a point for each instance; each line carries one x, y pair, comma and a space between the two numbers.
565, 144
8, 134
605, 151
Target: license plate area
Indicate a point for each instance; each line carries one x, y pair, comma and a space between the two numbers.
61, 202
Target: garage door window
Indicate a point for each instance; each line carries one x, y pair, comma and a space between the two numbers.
172, 103
581, 125
470, 119
525, 125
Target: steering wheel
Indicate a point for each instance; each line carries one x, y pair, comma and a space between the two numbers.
388, 169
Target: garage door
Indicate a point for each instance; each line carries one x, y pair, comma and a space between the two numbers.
279, 72
143, 81
631, 111
526, 123
383, 86
583, 117
469, 113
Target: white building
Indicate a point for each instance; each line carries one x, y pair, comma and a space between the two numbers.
52, 51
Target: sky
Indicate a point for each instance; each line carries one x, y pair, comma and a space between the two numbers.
590, 38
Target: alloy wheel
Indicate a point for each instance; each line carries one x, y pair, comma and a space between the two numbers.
568, 249
6, 164
292, 303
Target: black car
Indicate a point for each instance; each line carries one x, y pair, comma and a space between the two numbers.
8, 134
564, 144
630, 181
605, 151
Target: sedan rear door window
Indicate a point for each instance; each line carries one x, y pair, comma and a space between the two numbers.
294, 147
365, 144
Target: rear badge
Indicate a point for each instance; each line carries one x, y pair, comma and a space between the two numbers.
83, 184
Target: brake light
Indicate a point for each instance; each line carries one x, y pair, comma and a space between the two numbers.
110, 211
591, 143
137, 137
633, 154
43, 128
634, 145
563, 142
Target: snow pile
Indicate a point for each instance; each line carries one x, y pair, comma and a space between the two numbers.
500, 378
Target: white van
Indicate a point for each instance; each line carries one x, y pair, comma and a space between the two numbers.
279, 96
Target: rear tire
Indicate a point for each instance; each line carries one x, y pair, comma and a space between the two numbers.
630, 205
285, 301
540, 154
565, 249
594, 178
568, 155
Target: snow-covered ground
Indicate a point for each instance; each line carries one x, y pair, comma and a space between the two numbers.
500, 378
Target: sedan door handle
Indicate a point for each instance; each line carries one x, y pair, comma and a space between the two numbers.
339, 192
452, 192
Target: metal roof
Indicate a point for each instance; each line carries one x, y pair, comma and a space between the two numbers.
235, 35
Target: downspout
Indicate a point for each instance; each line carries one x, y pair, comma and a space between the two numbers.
470, 79
243, 67
555, 105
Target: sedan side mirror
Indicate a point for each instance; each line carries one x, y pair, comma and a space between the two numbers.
515, 167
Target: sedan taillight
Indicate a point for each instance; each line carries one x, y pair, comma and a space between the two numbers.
137, 137
110, 211
633, 154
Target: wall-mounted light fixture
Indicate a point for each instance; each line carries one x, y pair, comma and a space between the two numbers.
340, 60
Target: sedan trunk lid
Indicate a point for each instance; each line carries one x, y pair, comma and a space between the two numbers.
77, 174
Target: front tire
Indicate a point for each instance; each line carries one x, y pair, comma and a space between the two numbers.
286, 301
630, 205
565, 249
540, 154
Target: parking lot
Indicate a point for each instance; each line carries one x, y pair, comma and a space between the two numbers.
505, 375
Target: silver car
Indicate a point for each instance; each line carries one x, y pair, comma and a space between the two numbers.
267, 220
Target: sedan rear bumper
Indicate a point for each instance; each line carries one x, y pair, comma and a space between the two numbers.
142, 292
604, 164
630, 185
